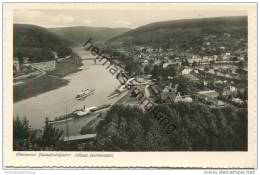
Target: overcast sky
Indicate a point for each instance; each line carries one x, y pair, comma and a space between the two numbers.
130, 18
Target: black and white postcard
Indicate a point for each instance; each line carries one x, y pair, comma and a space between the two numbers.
137, 85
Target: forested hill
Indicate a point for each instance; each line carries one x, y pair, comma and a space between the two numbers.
182, 33
38, 43
80, 34
26, 35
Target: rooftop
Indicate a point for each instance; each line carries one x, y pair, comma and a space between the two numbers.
210, 93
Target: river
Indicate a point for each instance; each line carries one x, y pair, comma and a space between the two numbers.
59, 101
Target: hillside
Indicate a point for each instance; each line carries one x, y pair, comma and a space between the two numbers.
80, 34
26, 35
34, 44
37, 43
183, 34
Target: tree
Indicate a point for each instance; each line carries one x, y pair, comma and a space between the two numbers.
240, 64
194, 63
47, 54
147, 69
185, 86
206, 68
155, 72
242, 94
20, 134
211, 63
185, 62
234, 58
198, 128
171, 70
52, 137
64, 51
120, 130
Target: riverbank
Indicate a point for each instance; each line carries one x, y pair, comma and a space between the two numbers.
37, 86
50, 81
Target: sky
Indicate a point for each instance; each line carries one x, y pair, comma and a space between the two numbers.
109, 17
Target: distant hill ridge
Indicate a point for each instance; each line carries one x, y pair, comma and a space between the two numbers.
80, 34
179, 30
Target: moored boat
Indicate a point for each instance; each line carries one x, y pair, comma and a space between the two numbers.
114, 94
85, 111
80, 113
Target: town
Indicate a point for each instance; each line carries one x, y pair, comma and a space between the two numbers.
216, 80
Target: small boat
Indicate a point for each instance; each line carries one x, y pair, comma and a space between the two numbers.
84, 93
